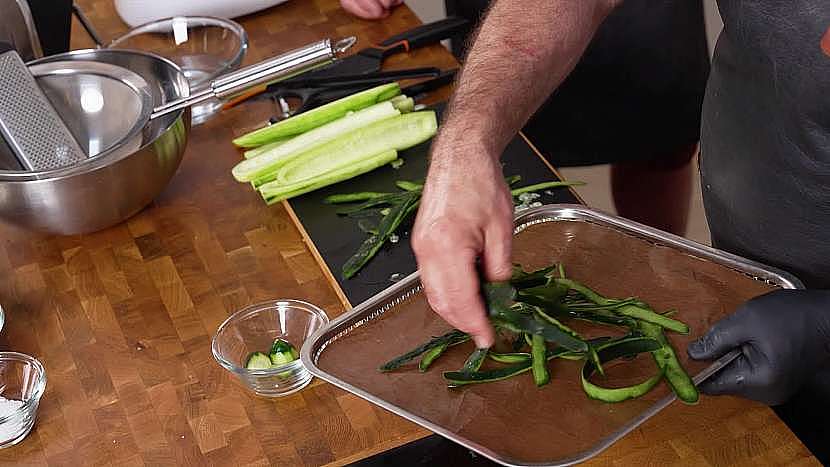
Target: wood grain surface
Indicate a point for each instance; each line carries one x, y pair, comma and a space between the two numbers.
122, 319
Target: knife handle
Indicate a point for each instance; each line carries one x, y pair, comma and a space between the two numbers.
445, 78
430, 33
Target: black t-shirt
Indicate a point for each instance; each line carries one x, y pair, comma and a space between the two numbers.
637, 91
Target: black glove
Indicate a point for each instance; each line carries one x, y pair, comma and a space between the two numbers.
784, 337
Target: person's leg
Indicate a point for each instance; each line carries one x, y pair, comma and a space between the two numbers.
656, 192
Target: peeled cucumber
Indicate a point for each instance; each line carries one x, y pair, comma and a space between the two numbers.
318, 116
250, 169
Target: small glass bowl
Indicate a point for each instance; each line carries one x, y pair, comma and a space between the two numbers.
22, 378
254, 329
204, 47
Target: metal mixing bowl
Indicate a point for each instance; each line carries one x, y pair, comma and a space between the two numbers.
120, 181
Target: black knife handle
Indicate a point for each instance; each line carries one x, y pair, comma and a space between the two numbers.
430, 33
445, 78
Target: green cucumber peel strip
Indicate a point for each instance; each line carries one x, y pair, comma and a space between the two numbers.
353, 197
474, 361
512, 180
409, 186
431, 355
451, 336
560, 334
543, 186
278, 193
511, 357
612, 351
679, 381
538, 364
382, 199
372, 244
522, 280
518, 322
318, 116
458, 378
632, 311
551, 292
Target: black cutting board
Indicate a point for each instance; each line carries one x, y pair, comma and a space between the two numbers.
337, 237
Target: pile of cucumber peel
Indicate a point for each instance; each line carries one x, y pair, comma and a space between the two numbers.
531, 310
380, 214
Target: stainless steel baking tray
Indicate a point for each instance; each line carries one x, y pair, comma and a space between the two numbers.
386, 303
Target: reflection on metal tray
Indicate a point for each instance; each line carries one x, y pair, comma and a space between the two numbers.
662, 269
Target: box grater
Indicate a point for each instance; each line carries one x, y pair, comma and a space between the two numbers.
33, 131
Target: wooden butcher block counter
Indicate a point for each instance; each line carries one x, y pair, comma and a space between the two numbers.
122, 319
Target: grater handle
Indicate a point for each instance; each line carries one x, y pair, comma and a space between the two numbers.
278, 68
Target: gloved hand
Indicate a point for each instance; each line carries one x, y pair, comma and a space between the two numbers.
784, 337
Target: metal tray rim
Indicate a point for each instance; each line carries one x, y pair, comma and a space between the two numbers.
553, 212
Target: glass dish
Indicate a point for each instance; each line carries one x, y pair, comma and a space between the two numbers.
254, 329
22, 382
204, 47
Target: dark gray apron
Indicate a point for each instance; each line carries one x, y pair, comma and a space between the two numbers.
765, 163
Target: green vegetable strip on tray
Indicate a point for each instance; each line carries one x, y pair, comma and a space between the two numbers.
631, 311
538, 365
513, 357
431, 355
451, 336
460, 378
679, 381
474, 361
612, 351
531, 305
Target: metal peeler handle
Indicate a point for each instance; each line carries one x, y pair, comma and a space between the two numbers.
274, 69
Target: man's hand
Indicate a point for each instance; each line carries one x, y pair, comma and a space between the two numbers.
522, 51
370, 9
784, 338
466, 213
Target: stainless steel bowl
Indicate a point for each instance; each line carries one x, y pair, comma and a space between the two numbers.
119, 181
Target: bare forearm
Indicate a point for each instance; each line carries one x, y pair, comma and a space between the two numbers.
523, 51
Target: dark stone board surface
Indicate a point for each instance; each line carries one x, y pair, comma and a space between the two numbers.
337, 237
